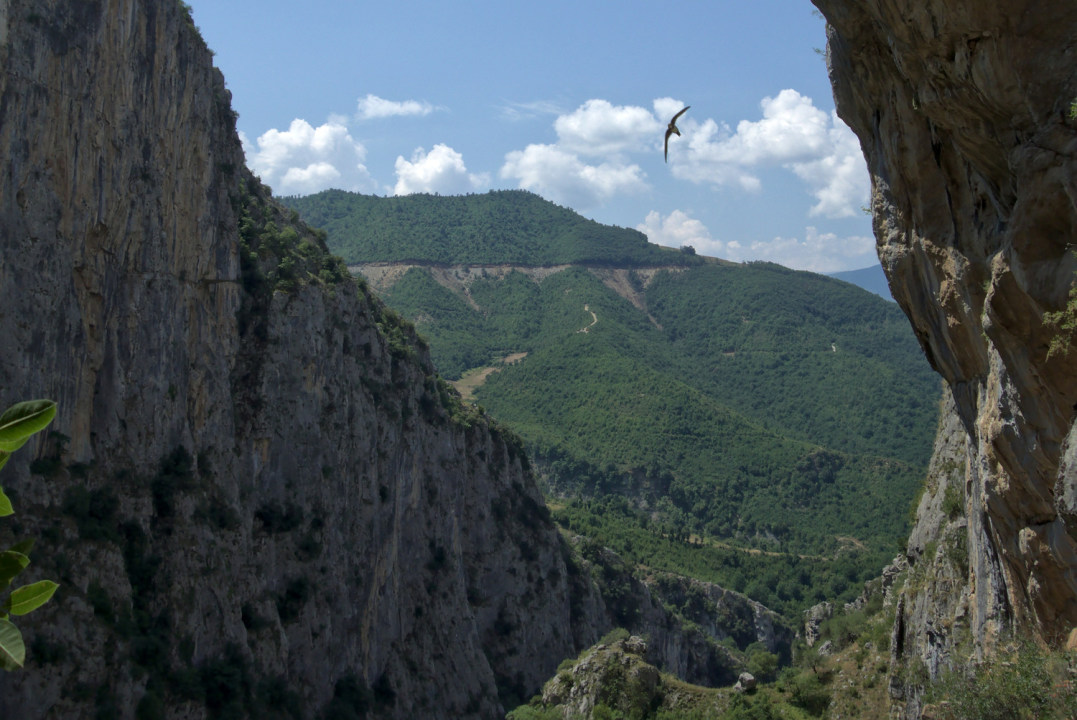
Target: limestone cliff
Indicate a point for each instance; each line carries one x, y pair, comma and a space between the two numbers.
258, 496
963, 110
261, 498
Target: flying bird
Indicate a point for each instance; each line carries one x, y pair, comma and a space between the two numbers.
672, 129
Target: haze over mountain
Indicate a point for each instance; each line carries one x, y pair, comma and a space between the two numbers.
872, 279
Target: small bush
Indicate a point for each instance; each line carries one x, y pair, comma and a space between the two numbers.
94, 512
290, 603
763, 664
218, 514
1026, 683
150, 707
953, 502
101, 603
276, 518
614, 635
251, 619
352, 699
809, 693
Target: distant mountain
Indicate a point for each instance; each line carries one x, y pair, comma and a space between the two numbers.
872, 279
501, 226
746, 403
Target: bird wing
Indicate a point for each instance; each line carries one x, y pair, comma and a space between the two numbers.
672, 128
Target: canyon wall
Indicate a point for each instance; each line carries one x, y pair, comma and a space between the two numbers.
257, 495
963, 110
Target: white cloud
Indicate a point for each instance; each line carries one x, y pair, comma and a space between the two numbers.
794, 134
666, 107
442, 170
600, 128
305, 159
818, 252
561, 176
526, 110
319, 174
679, 229
372, 107
589, 164
839, 180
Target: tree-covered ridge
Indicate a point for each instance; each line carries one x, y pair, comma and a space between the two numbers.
750, 403
821, 359
795, 353
499, 227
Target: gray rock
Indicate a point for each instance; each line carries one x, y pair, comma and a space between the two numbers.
294, 498
745, 683
814, 617
964, 118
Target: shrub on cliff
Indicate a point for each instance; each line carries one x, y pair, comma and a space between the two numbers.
1023, 681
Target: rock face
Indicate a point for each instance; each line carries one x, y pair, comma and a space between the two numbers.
258, 497
262, 499
963, 110
689, 624
614, 675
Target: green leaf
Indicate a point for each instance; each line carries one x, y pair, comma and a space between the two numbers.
4, 456
12, 649
22, 420
30, 597
23, 547
5, 505
11, 564
10, 447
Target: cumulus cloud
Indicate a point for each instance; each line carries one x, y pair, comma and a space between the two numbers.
561, 176
591, 160
305, 159
600, 128
372, 107
794, 134
666, 107
588, 165
679, 229
819, 251
442, 170
839, 179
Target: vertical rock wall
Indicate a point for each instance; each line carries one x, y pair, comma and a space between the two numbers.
963, 112
256, 506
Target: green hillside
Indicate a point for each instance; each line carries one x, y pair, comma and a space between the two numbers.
502, 226
723, 406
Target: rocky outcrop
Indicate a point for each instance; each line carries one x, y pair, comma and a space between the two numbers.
814, 617
963, 111
695, 630
614, 676
260, 495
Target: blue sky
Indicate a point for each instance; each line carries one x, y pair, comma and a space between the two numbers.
567, 99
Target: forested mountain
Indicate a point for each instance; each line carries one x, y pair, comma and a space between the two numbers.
502, 226
701, 406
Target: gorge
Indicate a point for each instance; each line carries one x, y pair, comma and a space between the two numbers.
260, 499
